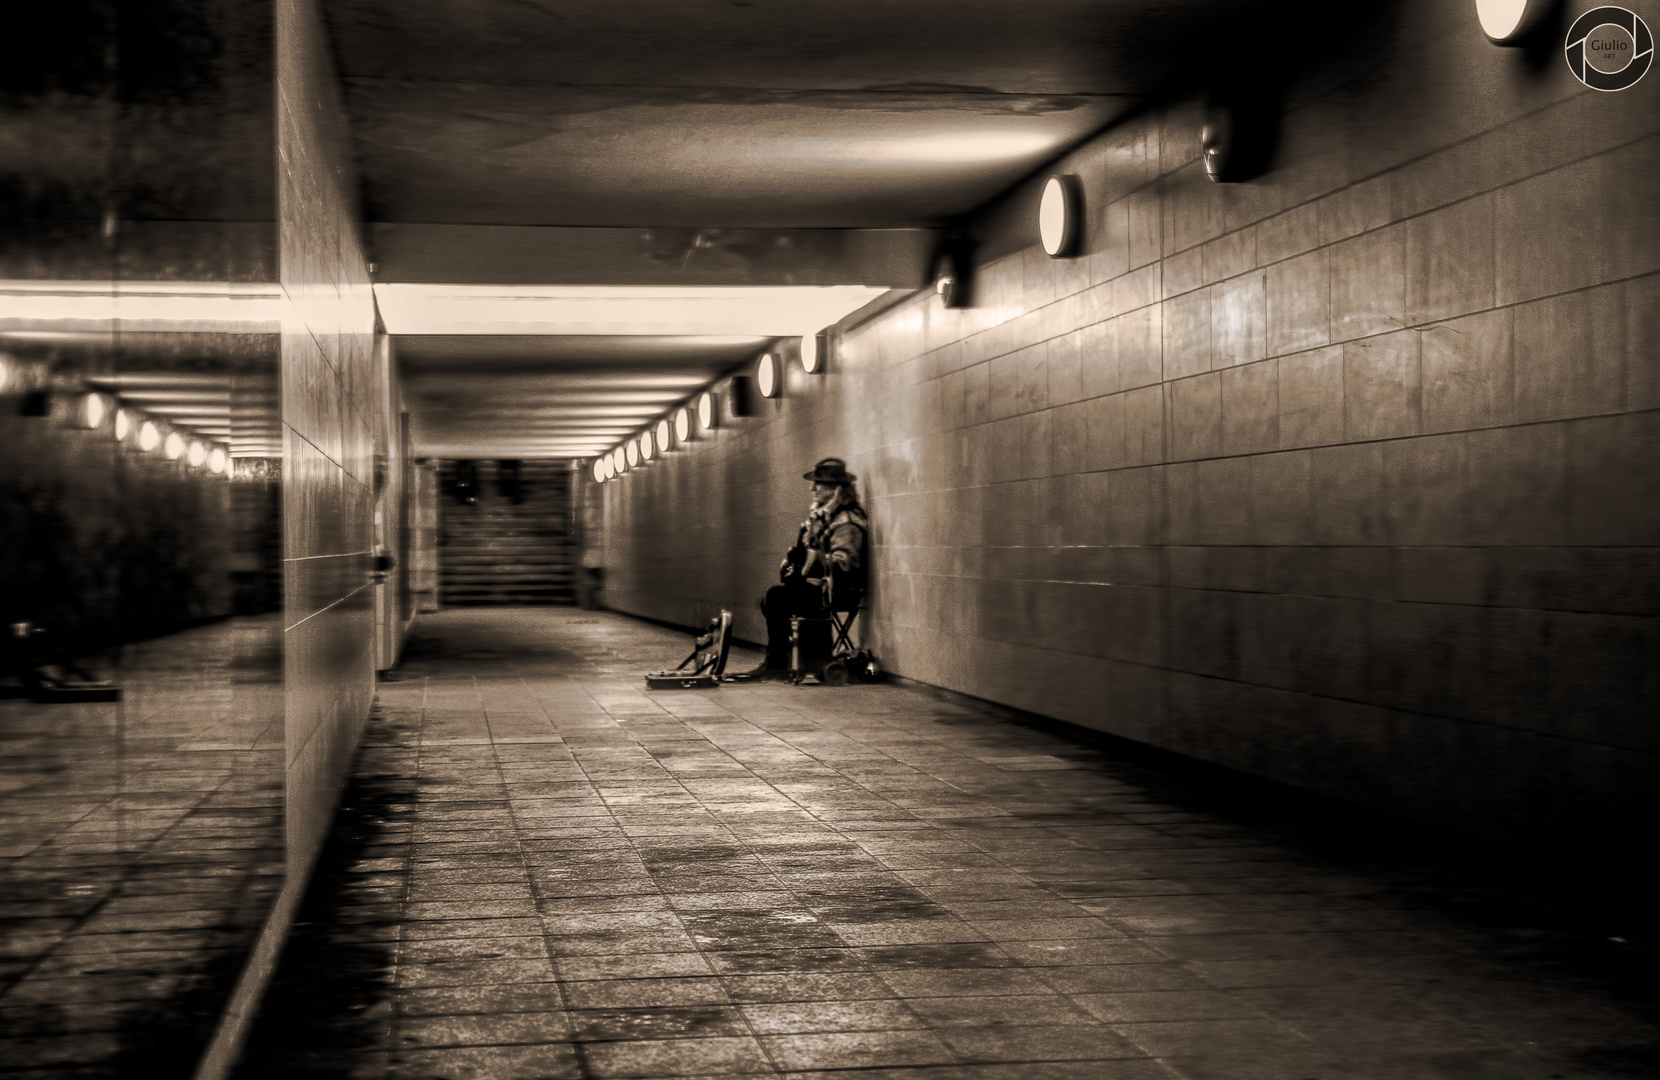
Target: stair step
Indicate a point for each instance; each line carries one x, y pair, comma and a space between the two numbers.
496, 551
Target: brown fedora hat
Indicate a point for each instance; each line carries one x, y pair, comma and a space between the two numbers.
832, 470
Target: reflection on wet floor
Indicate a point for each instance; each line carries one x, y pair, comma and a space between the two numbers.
542, 871
142, 848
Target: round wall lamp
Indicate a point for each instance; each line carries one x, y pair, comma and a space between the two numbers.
664, 434
196, 455
682, 424
610, 464
631, 452
149, 436
812, 358
123, 425
707, 415
217, 460
1509, 22
6, 376
1060, 216
619, 460
648, 447
174, 446
599, 470
93, 410
766, 375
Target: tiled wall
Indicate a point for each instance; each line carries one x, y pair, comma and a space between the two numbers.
329, 396
1345, 477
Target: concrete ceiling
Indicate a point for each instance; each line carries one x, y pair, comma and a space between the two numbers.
709, 113
696, 142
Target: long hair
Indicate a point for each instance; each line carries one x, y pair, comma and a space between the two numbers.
845, 498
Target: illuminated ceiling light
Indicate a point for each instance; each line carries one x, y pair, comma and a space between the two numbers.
599, 470
766, 375
631, 451
93, 410
1059, 216
217, 460
664, 433
123, 425
191, 306
745, 312
149, 436
174, 446
707, 414
197, 454
1507, 22
683, 425
958, 147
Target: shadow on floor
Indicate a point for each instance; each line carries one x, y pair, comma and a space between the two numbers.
335, 975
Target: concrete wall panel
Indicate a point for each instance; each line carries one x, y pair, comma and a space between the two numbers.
333, 408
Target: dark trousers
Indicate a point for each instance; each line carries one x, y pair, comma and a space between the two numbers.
795, 597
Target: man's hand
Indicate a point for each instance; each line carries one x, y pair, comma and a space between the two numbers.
799, 560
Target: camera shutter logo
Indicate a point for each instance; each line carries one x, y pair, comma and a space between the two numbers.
1609, 48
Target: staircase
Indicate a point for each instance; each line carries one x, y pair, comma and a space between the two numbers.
496, 551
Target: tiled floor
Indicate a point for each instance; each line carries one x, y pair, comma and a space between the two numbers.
140, 849
543, 871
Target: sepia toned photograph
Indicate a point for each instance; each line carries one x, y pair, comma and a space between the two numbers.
857, 540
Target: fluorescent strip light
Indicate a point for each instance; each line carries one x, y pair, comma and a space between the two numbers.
770, 311
196, 306
958, 147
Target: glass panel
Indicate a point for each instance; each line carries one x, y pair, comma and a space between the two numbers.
140, 660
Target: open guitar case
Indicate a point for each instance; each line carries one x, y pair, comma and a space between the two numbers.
703, 668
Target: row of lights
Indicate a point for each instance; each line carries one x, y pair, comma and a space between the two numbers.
1059, 228
676, 429
1059, 218
95, 409
668, 431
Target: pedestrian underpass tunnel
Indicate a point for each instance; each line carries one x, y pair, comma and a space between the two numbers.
1244, 498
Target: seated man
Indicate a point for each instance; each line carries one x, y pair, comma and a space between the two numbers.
824, 571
